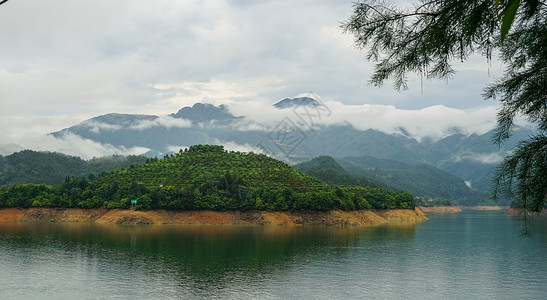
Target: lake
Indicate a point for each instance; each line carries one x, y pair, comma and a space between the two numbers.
469, 255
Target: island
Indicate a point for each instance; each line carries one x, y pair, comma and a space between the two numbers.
205, 184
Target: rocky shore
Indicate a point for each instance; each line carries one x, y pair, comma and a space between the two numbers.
290, 218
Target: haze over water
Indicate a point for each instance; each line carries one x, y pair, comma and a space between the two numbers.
470, 255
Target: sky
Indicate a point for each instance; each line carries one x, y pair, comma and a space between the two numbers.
64, 61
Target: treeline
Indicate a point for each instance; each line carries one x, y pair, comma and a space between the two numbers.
209, 195
203, 177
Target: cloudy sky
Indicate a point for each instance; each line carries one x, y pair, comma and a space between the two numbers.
63, 61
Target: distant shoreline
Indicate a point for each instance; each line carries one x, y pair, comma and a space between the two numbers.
484, 207
429, 210
288, 218
457, 209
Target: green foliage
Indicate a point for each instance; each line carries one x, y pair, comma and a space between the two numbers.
424, 39
51, 168
203, 177
523, 175
420, 179
328, 170
509, 10
429, 37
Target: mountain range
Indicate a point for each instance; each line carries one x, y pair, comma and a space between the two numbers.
472, 158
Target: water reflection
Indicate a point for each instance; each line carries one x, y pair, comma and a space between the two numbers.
199, 250
468, 254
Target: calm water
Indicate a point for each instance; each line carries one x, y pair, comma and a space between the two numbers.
470, 255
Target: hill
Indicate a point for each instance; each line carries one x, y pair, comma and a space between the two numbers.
328, 170
204, 177
51, 168
419, 179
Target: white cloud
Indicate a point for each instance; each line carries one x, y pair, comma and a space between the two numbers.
71, 60
164, 121
96, 127
7, 149
484, 158
246, 125
231, 146
176, 149
32, 133
434, 122
75, 145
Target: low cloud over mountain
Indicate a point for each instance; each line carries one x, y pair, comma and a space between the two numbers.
296, 129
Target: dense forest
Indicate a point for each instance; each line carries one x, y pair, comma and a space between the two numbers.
203, 177
51, 168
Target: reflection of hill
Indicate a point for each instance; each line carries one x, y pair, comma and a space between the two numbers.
191, 253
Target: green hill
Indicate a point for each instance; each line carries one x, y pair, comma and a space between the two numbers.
203, 163
204, 177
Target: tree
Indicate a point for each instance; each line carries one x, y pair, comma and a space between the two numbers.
429, 37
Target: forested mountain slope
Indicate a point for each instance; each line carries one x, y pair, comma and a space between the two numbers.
51, 168
419, 179
204, 177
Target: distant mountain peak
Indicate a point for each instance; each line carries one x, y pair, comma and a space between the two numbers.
117, 118
311, 95
204, 112
306, 99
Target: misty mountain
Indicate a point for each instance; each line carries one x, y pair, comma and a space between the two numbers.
419, 179
203, 112
473, 157
328, 170
298, 101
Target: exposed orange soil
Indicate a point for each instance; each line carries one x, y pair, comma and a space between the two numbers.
10, 215
289, 218
483, 207
440, 210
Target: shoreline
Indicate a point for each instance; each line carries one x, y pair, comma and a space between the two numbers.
439, 210
484, 207
286, 218
456, 209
